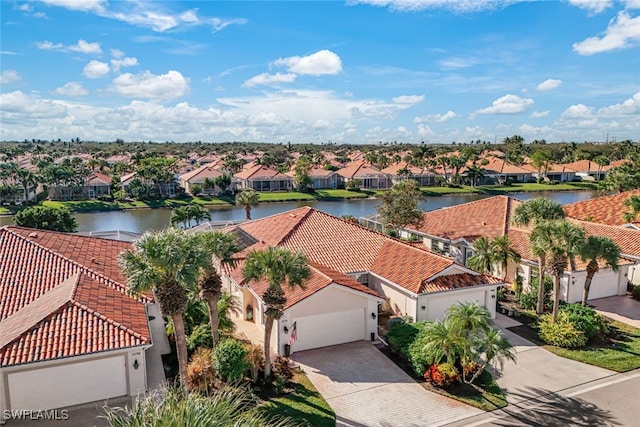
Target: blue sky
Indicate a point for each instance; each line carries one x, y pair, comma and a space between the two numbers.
360, 71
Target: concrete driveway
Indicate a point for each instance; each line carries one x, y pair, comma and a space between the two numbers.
365, 388
622, 308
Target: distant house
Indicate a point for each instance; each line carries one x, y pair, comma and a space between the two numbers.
588, 170
94, 186
202, 176
70, 333
367, 176
609, 210
559, 173
166, 189
403, 171
321, 177
500, 171
262, 178
355, 273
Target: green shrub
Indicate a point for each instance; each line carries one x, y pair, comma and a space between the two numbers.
230, 360
282, 369
416, 354
529, 299
401, 335
561, 333
586, 320
635, 292
517, 286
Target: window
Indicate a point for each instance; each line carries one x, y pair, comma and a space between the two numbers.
435, 245
445, 247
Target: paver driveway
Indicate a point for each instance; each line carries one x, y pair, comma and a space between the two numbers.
365, 388
621, 308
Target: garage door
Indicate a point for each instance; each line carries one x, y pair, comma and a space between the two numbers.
329, 329
602, 287
67, 385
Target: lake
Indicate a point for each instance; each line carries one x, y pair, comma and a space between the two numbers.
139, 221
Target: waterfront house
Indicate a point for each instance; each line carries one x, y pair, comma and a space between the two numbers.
263, 178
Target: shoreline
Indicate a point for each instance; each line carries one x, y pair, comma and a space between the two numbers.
426, 190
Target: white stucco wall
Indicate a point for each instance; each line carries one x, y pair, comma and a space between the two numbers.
402, 302
634, 274
605, 283
437, 304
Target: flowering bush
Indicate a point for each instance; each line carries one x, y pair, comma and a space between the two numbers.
442, 375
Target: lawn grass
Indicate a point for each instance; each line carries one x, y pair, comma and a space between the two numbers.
341, 194
487, 396
4, 211
620, 353
286, 196
304, 404
439, 191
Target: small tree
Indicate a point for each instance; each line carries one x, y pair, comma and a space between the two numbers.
196, 190
598, 248
302, 178
248, 199
230, 360
47, 218
399, 206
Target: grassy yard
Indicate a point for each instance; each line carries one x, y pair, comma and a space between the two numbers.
304, 404
99, 205
286, 196
4, 211
341, 194
621, 353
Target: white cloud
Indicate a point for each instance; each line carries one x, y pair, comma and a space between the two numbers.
460, 6
17, 106
549, 84
593, 6
408, 99
319, 63
436, 118
508, 104
83, 5
118, 63
539, 114
84, 46
269, 79
117, 53
577, 111
630, 106
458, 62
633, 4
72, 89
623, 32
9, 76
146, 85
424, 130
95, 69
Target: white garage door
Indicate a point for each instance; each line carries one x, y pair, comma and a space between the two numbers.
329, 329
68, 385
601, 287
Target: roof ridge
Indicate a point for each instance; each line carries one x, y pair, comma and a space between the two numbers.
122, 287
297, 224
109, 320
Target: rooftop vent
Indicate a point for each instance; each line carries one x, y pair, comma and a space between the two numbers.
33, 235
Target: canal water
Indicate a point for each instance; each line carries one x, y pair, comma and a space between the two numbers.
139, 221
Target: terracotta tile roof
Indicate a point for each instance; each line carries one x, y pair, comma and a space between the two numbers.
485, 217
499, 166
393, 169
98, 178
258, 172
314, 172
628, 239
63, 295
200, 174
457, 281
358, 169
553, 168
341, 246
608, 210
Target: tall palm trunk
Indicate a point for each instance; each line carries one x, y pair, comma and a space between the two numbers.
556, 296
247, 210
592, 269
212, 301
541, 290
181, 347
268, 327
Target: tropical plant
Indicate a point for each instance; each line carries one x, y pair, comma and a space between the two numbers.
180, 215
47, 218
227, 304
226, 406
255, 357
167, 262
230, 360
278, 266
302, 178
201, 374
531, 213
633, 203
220, 248
399, 206
586, 320
482, 258
248, 199
196, 189
560, 332
561, 241
594, 250
503, 252
198, 213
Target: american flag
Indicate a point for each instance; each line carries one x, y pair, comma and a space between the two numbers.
294, 333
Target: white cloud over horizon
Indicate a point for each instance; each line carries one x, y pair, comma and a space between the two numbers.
323, 62
623, 32
9, 76
146, 85
458, 6
95, 69
71, 89
549, 84
270, 79
82, 46
436, 118
508, 104
593, 6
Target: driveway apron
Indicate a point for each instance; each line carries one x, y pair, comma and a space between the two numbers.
365, 388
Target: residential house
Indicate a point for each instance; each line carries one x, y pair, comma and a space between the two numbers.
453, 230
554, 172
202, 176
402, 171
354, 271
165, 189
70, 333
588, 170
94, 186
368, 177
498, 170
321, 177
609, 210
262, 178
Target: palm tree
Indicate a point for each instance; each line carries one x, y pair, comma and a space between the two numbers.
444, 342
248, 199
279, 267
474, 174
469, 317
633, 203
198, 213
482, 258
531, 213
220, 246
598, 248
561, 241
167, 262
503, 252
494, 346
180, 215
